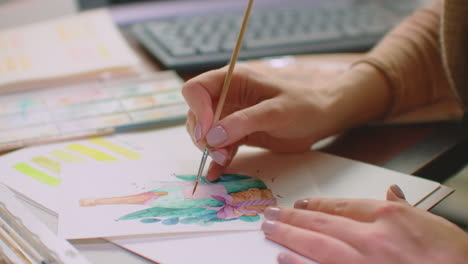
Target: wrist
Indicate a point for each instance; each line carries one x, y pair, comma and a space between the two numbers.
363, 95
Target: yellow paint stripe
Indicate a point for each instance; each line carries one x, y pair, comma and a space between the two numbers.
116, 148
48, 164
66, 156
104, 51
25, 63
37, 174
76, 32
62, 33
10, 63
92, 153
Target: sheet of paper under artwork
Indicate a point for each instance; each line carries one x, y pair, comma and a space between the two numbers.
155, 197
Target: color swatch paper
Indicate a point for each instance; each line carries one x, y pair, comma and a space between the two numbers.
37, 172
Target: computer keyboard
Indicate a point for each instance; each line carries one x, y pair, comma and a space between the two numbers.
205, 41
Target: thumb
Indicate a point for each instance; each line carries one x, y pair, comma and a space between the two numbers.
234, 127
395, 194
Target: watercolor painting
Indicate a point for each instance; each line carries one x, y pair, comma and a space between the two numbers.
233, 197
151, 196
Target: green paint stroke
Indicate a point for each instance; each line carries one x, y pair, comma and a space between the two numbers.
48, 164
165, 212
247, 218
66, 156
37, 174
92, 153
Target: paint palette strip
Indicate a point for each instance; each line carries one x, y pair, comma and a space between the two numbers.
167, 112
19, 135
84, 109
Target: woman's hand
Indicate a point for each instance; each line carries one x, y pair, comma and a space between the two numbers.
364, 231
278, 110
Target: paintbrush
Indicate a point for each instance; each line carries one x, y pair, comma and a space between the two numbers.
226, 85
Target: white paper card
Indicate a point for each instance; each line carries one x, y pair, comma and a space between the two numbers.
210, 248
311, 175
120, 192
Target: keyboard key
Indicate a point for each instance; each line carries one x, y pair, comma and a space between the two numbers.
296, 39
209, 48
179, 51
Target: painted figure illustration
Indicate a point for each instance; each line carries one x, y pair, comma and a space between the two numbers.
233, 197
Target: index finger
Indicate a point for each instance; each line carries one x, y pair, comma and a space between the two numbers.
200, 92
365, 210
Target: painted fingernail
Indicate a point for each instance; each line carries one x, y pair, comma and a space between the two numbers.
218, 157
285, 258
269, 227
216, 136
272, 213
397, 191
301, 204
198, 132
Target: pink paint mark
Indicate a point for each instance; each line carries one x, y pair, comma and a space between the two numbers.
151, 197
204, 191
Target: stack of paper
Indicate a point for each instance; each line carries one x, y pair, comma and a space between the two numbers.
135, 190
64, 50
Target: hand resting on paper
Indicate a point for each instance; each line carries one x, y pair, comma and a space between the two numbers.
364, 231
279, 110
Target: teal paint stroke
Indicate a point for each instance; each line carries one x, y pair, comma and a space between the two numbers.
173, 209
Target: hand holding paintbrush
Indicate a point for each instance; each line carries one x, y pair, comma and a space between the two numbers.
227, 82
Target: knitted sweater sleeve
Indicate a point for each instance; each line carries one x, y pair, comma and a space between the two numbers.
410, 59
